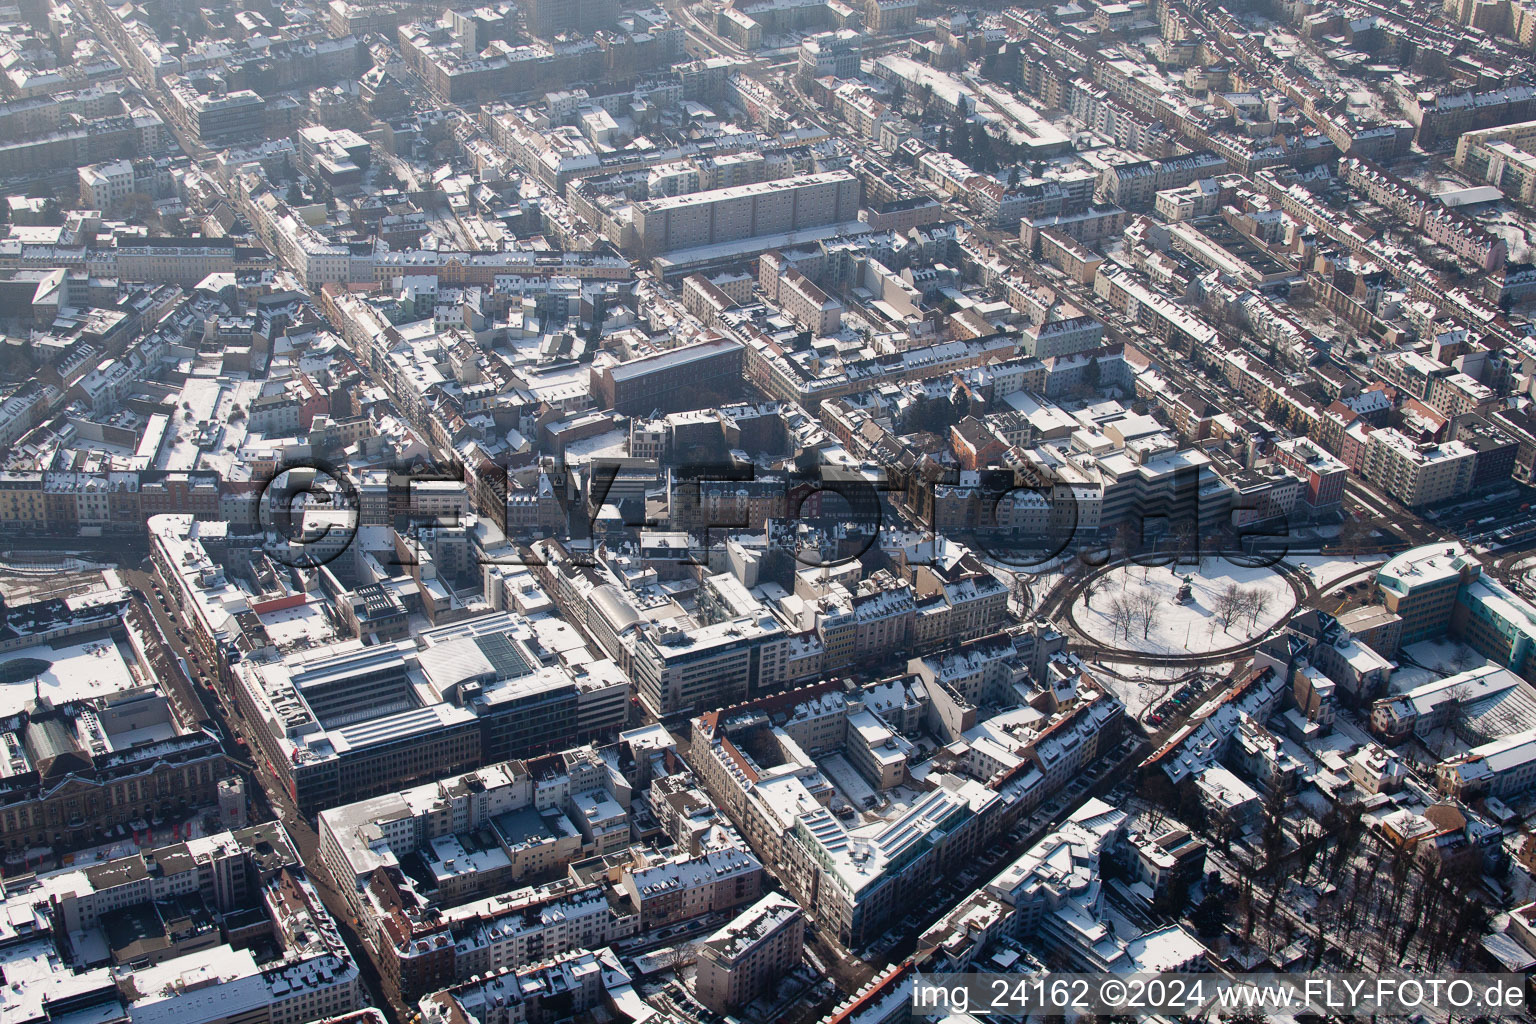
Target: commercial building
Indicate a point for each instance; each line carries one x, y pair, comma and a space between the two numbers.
184, 260
355, 721
1422, 586
1323, 475
669, 380
212, 112
746, 211
1495, 448
90, 743
830, 53
678, 669
437, 875
1440, 590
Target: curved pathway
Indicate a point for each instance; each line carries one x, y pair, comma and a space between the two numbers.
1302, 589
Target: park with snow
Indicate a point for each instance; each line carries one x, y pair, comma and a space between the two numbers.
1139, 609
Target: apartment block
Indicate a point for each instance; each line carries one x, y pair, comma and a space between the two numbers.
1418, 473
747, 957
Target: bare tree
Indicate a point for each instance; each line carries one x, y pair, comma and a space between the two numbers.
1259, 601
1127, 540
1184, 542
1022, 597
1227, 605
1120, 615
1145, 605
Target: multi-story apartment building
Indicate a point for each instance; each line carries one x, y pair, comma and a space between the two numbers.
749, 955
888, 17
232, 914
538, 815
1063, 335
1444, 116
806, 304
1135, 185
1504, 157
1502, 769
1054, 895
226, 869
549, 18
1201, 198
547, 986
1417, 473
1457, 394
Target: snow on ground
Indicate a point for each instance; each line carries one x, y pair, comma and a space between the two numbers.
1429, 660
1506, 222
1142, 687
1316, 804
1139, 687
1182, 628
1441, 745
1345, 725
20, 589
1327, 569
1338, 741
1040, 579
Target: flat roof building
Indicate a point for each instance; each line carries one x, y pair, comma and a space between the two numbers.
353, 721
669, 380
1440, 590
745, 211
